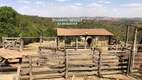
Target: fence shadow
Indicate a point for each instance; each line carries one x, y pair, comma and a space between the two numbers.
138, 77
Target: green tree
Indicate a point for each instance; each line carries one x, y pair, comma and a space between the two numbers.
8, 19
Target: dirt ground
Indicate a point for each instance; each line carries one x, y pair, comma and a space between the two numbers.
32, 50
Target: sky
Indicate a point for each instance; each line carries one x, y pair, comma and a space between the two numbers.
77, 8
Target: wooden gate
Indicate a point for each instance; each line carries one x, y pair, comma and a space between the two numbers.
11, 42
67, 63
137, 65
114, 62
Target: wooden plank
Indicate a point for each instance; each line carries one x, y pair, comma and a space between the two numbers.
79, 69
99, 63
10, 37
78, 59
111, 67
109, 63
5, 53
66, 64
114, 69
18, 72
127, 35
30, 68
133, 50
8, 68
47, 55
42, 77
80, 54
46, 65
48, 71
82, 74
83, 65
49, 60
80, 51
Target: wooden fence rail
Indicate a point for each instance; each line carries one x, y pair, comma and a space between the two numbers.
67, 63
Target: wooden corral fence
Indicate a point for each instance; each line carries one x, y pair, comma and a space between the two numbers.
18, 42
11, 42
55, 63
137, 65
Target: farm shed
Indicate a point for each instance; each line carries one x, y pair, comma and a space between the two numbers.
93, 33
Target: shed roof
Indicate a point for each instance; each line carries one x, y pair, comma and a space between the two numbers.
82, 32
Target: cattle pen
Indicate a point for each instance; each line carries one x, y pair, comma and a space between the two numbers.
63, 60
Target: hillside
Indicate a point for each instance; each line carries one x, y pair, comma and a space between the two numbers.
13, 24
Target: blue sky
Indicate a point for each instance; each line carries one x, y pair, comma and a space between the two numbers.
77, 8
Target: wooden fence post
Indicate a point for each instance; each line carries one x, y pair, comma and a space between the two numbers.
133, 50
99, 63
76, 43
30, 68
127, 36
18, 72
21, 43
40, 40
129, 63
66, 64
57, 43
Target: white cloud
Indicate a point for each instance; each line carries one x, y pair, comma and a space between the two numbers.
133, 5
78, 4
91, 10
61, 0
39, 3
100, 6
115, 10
73, 6
24, 1
107, 2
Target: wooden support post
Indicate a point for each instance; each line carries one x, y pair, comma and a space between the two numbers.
109, 40
66, 64
30, 68
85, 44
65, 38
133, 50
57, 42
41, 40
129, 62
99, 63
76, 43
18, 72
127, 36
21, 43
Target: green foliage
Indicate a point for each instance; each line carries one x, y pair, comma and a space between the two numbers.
8, 19
14, 24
